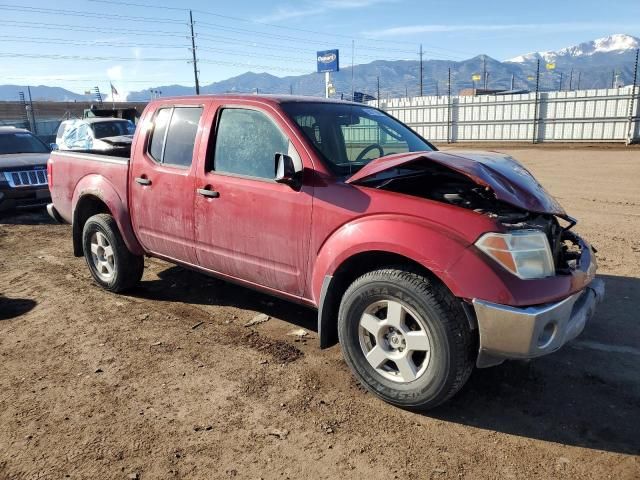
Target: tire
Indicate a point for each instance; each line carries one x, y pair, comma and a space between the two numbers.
110, 262
425, 348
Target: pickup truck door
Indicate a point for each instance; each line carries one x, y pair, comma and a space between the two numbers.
162, 182
247, 226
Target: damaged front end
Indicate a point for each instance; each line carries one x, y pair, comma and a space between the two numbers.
535, 242
492, 184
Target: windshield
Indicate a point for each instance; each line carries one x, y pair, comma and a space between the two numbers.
112, 129
21, 142
350, 136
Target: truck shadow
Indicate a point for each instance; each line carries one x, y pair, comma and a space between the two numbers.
15, 307
177, 284
586, 395
579, 396
32, 216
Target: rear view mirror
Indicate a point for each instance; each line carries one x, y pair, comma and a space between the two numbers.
53, 147
286, 171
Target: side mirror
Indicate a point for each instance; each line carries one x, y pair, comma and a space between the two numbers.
53, 147
286, 171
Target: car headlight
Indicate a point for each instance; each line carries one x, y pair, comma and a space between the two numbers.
525, 253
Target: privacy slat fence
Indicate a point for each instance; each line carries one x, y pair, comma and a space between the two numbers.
607, 115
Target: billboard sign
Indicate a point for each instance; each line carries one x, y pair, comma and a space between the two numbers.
328, 61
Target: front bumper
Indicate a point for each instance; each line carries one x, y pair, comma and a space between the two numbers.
53, 213
24, 197
512, 332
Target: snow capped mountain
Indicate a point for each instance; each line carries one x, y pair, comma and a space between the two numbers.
613, 44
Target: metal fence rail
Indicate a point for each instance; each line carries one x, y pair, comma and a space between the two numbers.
607, 115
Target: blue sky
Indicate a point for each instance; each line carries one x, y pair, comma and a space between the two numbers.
137, 44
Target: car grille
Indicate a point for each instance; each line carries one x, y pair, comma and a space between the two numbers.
24, 178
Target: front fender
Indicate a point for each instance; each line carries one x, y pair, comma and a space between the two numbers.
101, 188
433, 245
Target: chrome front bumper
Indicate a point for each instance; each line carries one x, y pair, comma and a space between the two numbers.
529, 332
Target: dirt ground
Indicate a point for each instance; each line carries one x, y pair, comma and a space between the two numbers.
168, 383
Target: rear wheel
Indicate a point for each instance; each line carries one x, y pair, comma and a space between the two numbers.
110, 262
406, 338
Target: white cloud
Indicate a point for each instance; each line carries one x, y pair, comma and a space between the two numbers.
515, 27
115, 72
116, 78
288, 12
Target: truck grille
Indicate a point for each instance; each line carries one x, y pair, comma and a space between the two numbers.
26, 178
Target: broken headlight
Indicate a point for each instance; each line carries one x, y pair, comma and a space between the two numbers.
525, 253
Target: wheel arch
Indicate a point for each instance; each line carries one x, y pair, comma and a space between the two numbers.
334, 285
93, 195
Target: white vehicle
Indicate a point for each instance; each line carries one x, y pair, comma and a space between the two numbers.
102, 134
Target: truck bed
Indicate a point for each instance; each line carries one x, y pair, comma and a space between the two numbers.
71, 174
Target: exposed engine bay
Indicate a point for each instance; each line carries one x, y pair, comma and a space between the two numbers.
436, 182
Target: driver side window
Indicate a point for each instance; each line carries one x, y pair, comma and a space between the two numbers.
247, 142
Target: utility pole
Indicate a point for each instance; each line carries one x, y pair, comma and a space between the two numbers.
535, 109
421, 72
579, 76
633, 98
378, 91
193, 52
33, 112
290, 89
613, 78
560, 88
513, 78
484, 71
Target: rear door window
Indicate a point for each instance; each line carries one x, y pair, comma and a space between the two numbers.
182, 136
160, 123
174, 135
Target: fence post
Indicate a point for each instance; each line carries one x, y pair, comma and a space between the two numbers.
535, 108
632, 98
449, 109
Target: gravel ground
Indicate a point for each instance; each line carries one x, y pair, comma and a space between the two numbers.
167, 382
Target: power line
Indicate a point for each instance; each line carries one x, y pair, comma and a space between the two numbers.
74, 28
84, 14
251, 65
273, 25
97, 43
256, 22
93, 79
96, 58
148, 59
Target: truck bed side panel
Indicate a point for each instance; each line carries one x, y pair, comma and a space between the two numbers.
75, 175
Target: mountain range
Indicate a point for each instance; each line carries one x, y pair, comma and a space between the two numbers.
600, 63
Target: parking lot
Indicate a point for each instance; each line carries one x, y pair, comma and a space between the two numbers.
168, 382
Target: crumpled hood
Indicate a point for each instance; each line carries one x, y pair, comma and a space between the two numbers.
505, 176
23, 160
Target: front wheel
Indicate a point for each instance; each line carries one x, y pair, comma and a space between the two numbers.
110, 262
405, 338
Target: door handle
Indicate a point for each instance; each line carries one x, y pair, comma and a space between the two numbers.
143, 181
205, 192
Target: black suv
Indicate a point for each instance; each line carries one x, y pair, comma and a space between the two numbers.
23, 169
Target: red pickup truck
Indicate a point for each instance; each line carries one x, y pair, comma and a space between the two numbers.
421, 263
